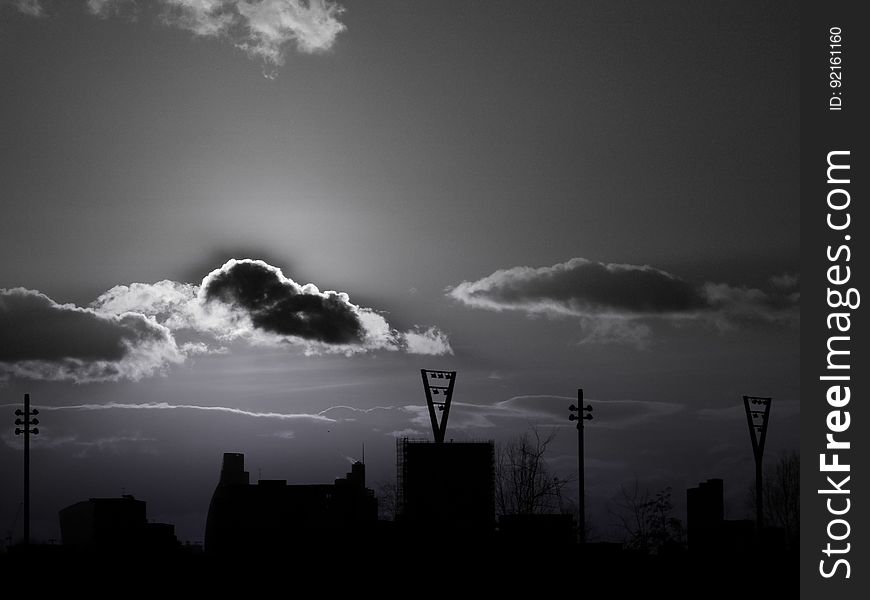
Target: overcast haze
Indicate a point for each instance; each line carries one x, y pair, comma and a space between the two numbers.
592, 194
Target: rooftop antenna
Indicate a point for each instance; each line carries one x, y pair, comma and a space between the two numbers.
432, 387
364, 453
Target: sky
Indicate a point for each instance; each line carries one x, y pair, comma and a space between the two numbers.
245, 226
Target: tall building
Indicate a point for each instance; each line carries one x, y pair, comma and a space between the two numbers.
114, 525
705, 513
272, 516
446, 487
707, 529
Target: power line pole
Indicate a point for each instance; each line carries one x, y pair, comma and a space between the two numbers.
576, 412
27, 422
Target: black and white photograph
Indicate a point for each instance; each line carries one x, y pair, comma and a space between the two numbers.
326, 282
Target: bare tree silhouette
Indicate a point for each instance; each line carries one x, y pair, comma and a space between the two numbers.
387, 493
647, 520
781, 492
524, 482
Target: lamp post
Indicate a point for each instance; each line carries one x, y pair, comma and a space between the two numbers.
27, 422
577, 414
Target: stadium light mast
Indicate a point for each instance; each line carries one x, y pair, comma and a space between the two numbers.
26, 431
757, 416
433, 387
577, 414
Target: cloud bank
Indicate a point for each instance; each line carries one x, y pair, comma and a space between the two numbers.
254, 301
611, 298
46, 340
131, 331
263, 29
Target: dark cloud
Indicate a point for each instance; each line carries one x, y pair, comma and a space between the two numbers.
47, 340
592, 290
280, 306
584, 287
129, 331
221, 253
34, 327
253, 300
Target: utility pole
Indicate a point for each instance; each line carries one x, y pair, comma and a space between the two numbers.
27, 422
757, 417
576, 412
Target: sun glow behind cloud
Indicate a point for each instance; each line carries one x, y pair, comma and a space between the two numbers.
131, 331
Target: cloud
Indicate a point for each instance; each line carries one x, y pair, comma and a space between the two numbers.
407, 433
737, 412
785, 281
195, 407
202, 17
312, 26
261, 28
278, 305
353, 409
169, 302
138, 330
46, 340
112, 8
616, 331
581, 288
608, 295
730, 305
504, 418
31, 8
112, 443
431, 341
283, 435
544, 410
608, 414
253, 301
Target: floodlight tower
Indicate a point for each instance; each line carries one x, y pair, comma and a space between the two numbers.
27, 422
757, 417
433, 387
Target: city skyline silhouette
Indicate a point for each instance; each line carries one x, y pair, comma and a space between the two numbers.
248, 227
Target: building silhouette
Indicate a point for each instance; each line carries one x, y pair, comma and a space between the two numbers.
705, 514
707, 529
272, 516
446, 487
114, 525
